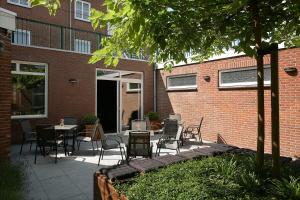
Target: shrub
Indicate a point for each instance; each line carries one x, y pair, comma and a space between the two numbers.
153, 115
88, 119
11, 181
221, 177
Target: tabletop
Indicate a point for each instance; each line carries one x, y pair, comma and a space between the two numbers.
64, 127
151, 132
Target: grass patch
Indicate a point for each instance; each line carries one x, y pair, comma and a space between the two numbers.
221, 177
11, 181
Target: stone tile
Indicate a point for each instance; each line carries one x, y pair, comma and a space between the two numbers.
78, 197
60, 188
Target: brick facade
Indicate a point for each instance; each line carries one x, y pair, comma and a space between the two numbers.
230, 115
5, 93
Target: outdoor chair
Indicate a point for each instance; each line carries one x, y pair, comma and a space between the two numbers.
89, 136
168, 142
47, 137
194, 130
27, 134
74, 132
138, 125
170, 128
109, 143
139, 145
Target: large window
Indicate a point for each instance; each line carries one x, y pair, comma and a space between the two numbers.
24, 3
82, 46
21, 37
182, 82
29, 84
82, 10
243, 77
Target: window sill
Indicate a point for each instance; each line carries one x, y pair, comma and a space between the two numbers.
28, 116
182, 89
84, 20
243, 86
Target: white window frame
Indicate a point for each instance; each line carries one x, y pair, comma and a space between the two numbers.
18, 71
80, 41
28, 33
75, 10
19, 3
132, 90
241, 84
184, 87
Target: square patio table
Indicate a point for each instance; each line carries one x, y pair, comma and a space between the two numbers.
128, 131
67, 128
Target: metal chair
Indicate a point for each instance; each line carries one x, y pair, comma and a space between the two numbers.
87, 136
27, 134
139, 145
168, 142
170, 128
74, 132
138, 125
194, 130
47, 137
108, 143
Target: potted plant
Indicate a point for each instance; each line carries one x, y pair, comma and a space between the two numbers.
155, 123
88, 122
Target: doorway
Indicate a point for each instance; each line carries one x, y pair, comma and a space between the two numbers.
107, 104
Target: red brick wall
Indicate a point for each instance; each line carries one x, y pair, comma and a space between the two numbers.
232, 112
5, 94
66, 99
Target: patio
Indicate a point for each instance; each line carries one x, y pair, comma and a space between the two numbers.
72, 176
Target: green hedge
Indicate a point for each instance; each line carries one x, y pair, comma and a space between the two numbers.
11, 181
221, 177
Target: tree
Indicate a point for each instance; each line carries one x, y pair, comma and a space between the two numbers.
167, 29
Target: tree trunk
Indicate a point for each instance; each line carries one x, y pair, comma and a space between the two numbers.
275, 112
260, 87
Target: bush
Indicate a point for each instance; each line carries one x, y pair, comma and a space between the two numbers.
153, 115
11, 181
88, 119
221, 177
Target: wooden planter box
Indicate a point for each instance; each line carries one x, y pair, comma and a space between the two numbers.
104, 189
155, 125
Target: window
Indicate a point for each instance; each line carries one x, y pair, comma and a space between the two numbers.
246, 77
133, 87
29, 84
82, 46
24, 3
21, 37
182, 82
82, 10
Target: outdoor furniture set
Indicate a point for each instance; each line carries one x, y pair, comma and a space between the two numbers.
53, 137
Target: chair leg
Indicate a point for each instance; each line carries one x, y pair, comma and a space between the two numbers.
56, 154
93, 147
30, 145
200, 137
97, 145
78, 144
36, 147
21, 147
121, 153
101, 152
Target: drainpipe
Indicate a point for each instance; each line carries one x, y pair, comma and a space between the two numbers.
154, 87
70, 24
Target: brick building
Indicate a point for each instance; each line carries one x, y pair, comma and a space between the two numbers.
52, 78
223, 91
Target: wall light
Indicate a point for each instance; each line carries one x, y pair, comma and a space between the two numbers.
206, 78
291, 71
73, 80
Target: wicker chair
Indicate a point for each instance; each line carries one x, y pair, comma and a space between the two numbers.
139, 145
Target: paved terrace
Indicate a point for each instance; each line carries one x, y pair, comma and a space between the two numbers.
72, 176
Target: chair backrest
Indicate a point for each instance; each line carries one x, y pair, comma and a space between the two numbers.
138, 125
148, 123
26, 128
101, 132
179, 132
139, 144
96, 130
70, 121
170, 127
176, 116
201, 121
45, 132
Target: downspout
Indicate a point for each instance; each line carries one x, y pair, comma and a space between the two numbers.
154, 87
70, 24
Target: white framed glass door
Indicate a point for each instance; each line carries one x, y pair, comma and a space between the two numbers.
117, 111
